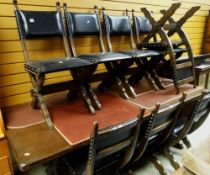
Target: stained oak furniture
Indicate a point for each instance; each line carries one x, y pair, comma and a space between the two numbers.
150, 28
182, 46
112, 146
27, 134
156, 131
31, 141
182, 72
147, 100
200, 117
188, 113
5, 161
120, 26
47, 24
206, 43
202, 68
88, 24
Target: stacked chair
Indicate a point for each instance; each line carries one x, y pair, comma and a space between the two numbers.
147, 25
37, 24
124, 143
120, 26
83, 24
175, 49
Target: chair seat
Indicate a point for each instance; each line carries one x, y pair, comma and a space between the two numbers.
203, 67
141, 53
178, 49
55, 65
158, 45
105, 57
181, 60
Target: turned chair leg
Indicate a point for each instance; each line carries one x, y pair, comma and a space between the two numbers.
158, 165
150, 81
129, 89
171, 158
179, 146
186, 142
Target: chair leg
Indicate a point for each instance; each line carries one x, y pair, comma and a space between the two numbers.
150, 81
121, 89
171, 158
157, 80
186, 142
158, 165
37, 85
87, 100
94, 98
129, 89
35, 103
45, 111
179, 146
39, 100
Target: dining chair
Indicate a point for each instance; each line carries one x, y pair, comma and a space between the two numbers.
34, 25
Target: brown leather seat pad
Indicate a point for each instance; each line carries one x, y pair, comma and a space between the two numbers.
75, 123
21, 116
35, 144
72, 119
149, 99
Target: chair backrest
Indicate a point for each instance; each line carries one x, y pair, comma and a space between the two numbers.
186, 116
83, 24
141, 25
117, 25
115, 143
166, 115
159, 127
202, 112
39, 24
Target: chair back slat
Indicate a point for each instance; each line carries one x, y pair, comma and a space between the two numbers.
39, 24
141, 25
82, 23
117, 25
166, 114
114, 144
114, 135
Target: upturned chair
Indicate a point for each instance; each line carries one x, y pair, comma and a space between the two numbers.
182, 70
185, 69
109, 147
48, 24
120, 26
155, 131
148, 28
88, 24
